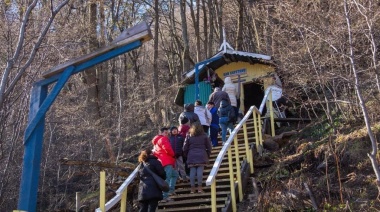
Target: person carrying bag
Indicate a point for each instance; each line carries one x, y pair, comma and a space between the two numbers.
150, 191
164, 186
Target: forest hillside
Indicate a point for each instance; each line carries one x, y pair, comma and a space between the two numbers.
326, 53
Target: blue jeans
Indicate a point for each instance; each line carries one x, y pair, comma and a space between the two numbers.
171, 179
224, 125
198, 172
214, 135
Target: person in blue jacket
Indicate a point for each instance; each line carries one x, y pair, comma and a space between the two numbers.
214, 126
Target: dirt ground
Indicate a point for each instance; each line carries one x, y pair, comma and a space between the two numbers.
332, 173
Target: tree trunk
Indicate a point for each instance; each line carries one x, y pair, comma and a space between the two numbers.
195, 18
239, 36
92, 101
186, 51
219, 14
373, 155
211, 29
205, 32
155, 56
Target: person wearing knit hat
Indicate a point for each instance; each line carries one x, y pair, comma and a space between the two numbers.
184, 120
188, 112
176, 141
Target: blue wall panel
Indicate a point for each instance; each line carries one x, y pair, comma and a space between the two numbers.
204, 92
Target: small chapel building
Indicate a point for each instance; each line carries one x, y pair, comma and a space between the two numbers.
251, 73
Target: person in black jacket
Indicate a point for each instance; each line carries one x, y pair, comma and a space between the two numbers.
176, 141
197, 149
225, 112
149, 192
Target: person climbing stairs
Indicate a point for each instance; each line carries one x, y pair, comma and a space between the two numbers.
185, 200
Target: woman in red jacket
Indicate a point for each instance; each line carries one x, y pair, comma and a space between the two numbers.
165, 154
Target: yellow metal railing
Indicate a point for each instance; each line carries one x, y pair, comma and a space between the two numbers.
267, 100
211, 180
121, 193
227, 148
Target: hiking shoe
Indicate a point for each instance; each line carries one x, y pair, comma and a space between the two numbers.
192, 191
200, 189
167, 199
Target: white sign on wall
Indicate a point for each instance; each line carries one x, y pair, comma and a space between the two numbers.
235, 72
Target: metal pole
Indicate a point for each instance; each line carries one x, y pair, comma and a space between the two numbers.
213, 196
102, 196
77, 201
260, 132
249, 158
196, 82
238, 171
197, 74
232, 181
271, 114
123, 203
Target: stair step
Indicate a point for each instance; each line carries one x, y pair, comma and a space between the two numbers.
184, 201
221, 181
198, 195
186, 189
212, 160
240, 146
196, 208
221, 169
190, 202
215, 154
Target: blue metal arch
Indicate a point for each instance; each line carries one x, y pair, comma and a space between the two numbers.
40, 103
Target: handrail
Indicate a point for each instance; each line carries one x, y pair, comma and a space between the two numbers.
121, 191
218, 160
227, 147
267, 92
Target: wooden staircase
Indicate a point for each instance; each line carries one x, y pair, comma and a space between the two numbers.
184, 201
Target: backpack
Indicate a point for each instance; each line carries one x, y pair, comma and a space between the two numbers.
231, 115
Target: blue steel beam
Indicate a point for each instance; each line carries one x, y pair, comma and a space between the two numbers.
65, 76
40, 104
48, 102
197, 74
32, 154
